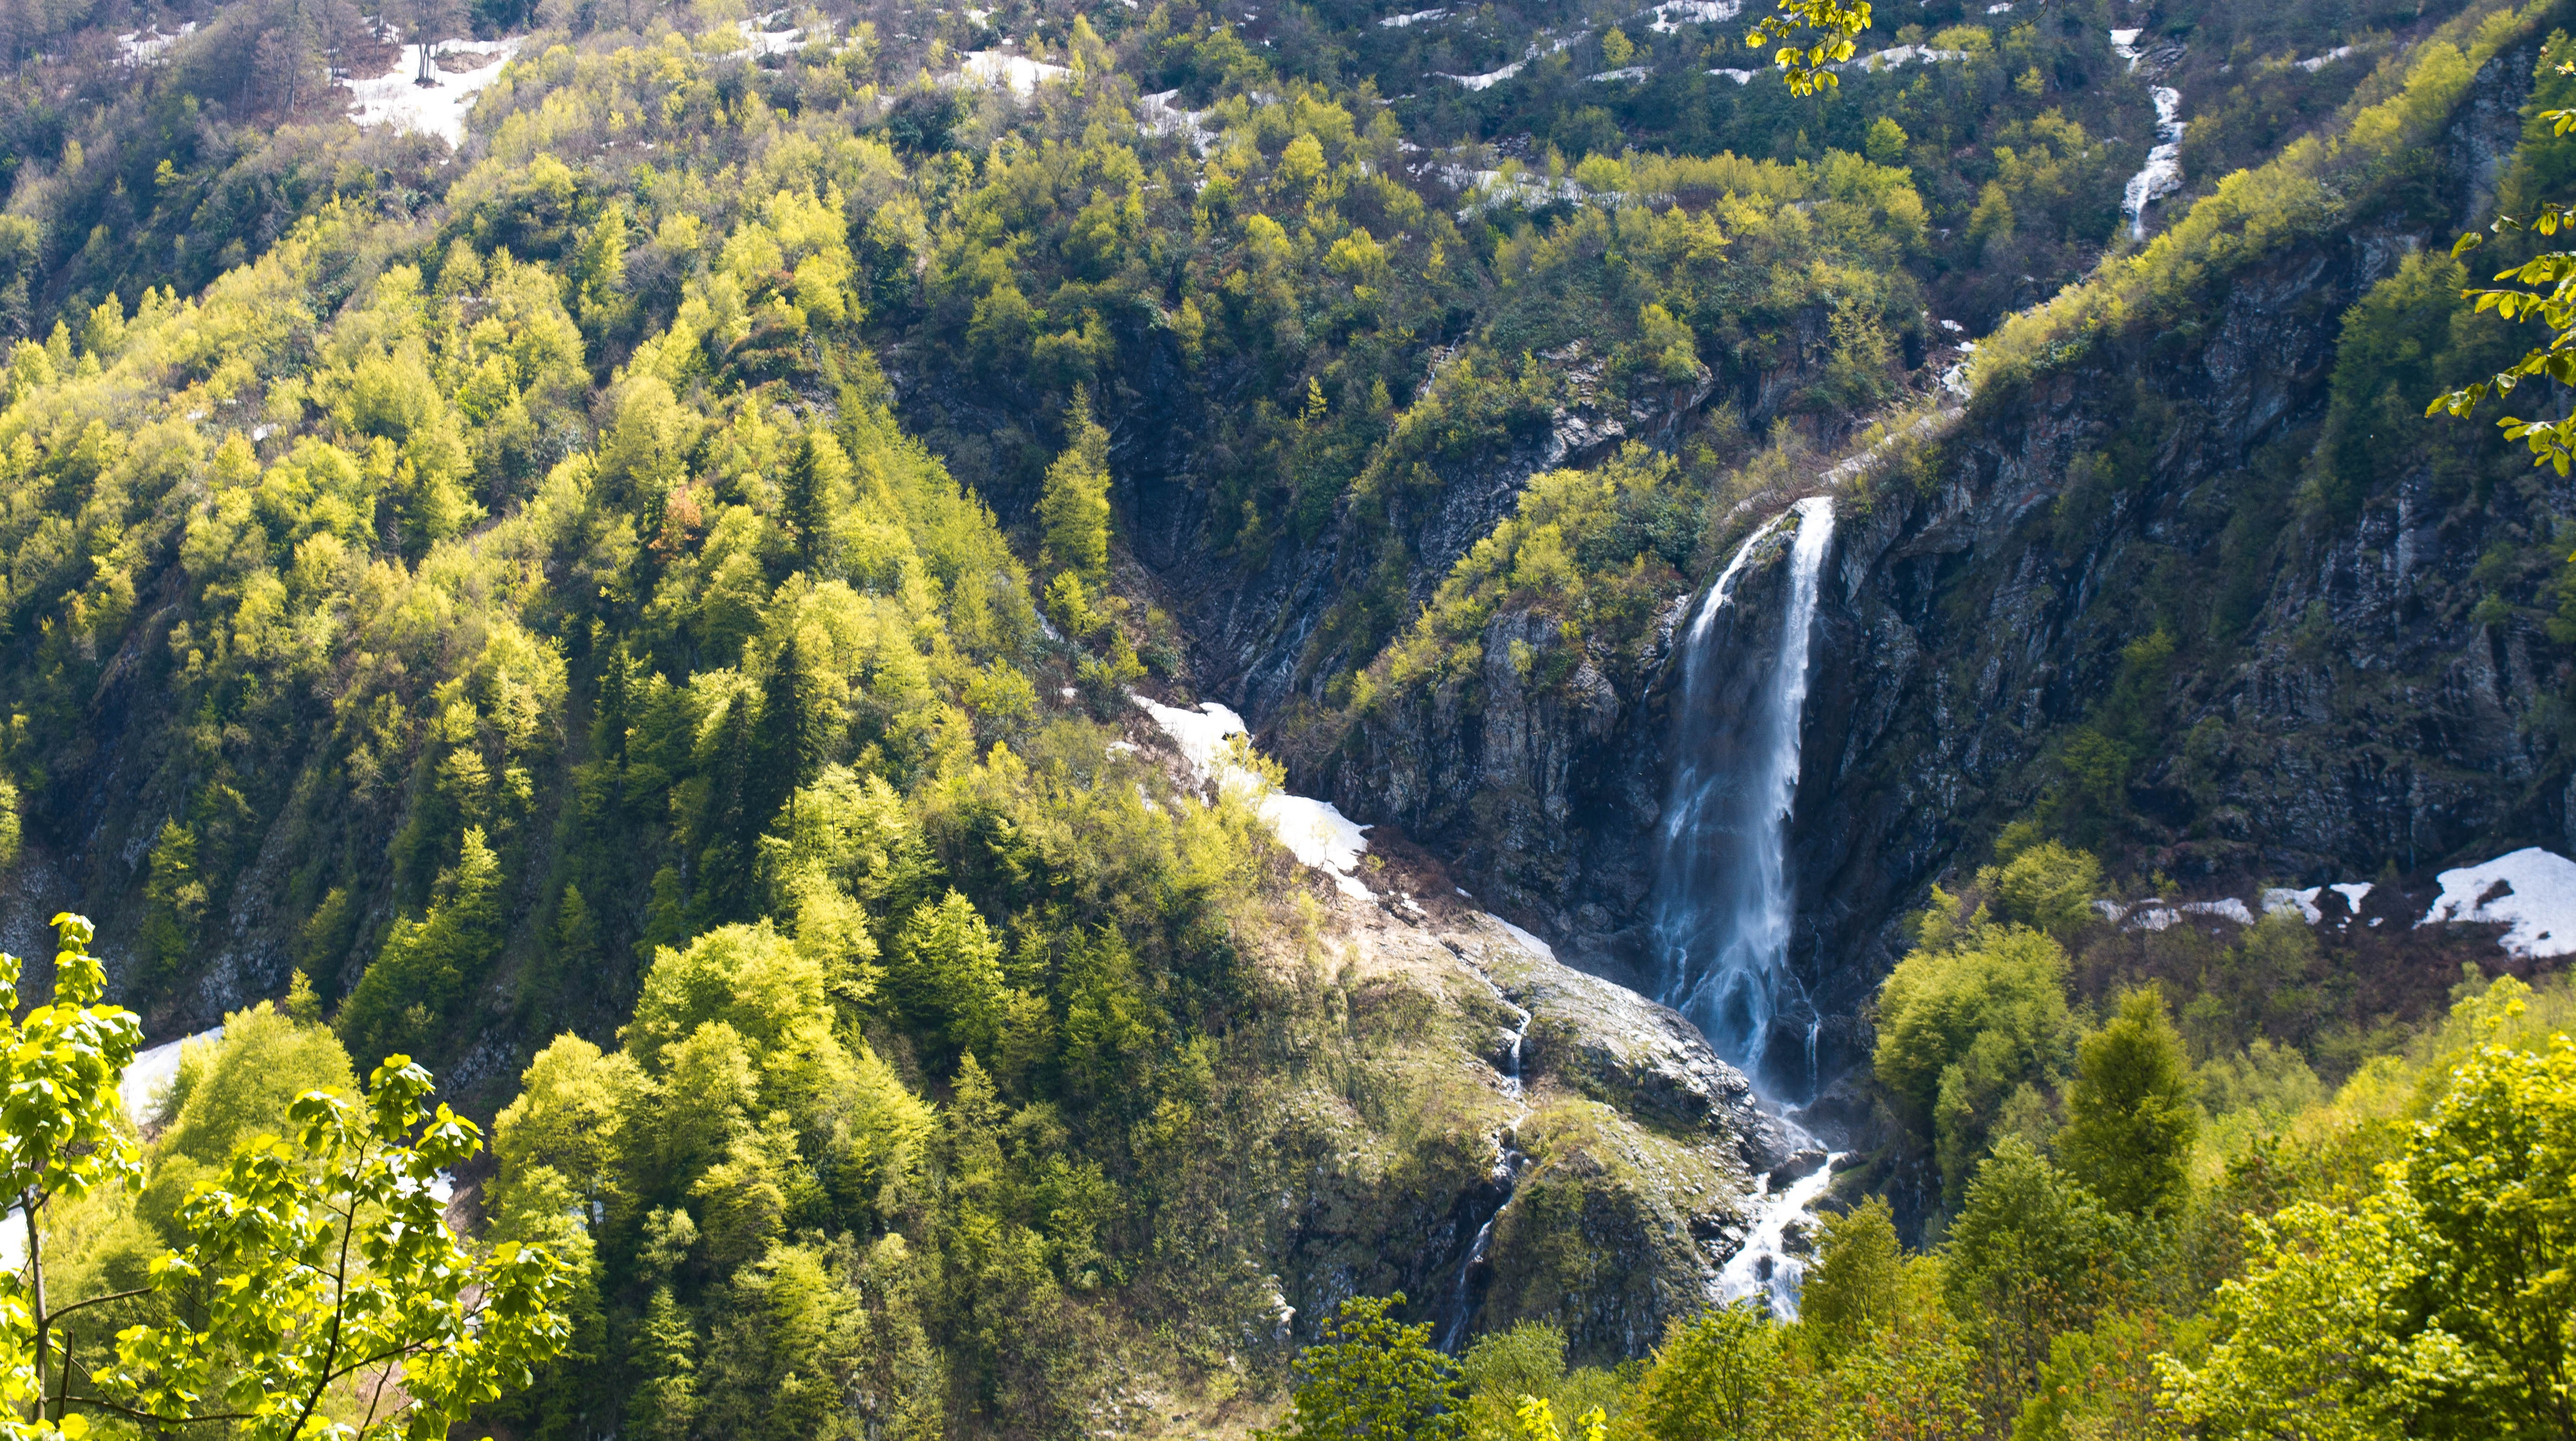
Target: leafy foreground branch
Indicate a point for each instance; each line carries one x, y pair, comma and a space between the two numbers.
320, 1292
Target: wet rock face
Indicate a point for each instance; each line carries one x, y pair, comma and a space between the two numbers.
1610, 1180
2358, 709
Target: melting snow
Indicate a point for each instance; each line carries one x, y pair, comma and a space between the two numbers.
1625, 72
436, 109
142, 45
2301, 903
1740, 77
2229, 909
2537, 899
152, 1073
1021, 74
1315, 832
1533, 944
1674, 14
2153, 915
2352, 892
1487, 80
1894, 56
1398, 22
1157, 115
2315, 63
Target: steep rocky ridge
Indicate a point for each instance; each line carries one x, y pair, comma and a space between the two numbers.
2337, 699
1614, 1172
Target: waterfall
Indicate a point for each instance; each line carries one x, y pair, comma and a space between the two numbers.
1505, 1175
2162, 174
1767, 1267
1723, 899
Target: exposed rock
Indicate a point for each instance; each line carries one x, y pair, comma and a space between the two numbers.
2365, 714
1614, 1174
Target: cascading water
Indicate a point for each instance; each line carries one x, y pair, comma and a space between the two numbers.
2162, 174
1723, 896
1505, 1176
1766, 1265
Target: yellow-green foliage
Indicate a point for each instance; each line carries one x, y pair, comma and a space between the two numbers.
2303, 191
1546, 558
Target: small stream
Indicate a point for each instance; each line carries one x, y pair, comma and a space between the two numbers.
2162, 174
1506, 1173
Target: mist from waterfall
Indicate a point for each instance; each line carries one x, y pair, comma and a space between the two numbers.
1723, 896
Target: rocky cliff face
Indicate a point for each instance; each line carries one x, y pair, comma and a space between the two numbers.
2336, 703
1515, 1139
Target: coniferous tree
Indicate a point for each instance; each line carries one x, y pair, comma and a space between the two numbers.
666, 1351
1074, 507
792, 740
810, 494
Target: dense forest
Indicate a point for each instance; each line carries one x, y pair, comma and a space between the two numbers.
639, 605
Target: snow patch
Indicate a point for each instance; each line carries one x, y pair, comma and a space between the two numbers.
2352, 893
1897, 55
2315, 63
1674, 14
1489, 79
1418, 17
440, 107
2230, 909
2153, 916
1021, 75
1624, 72
1530, 943
1740, 77
2537, 899
141, 1086
2303, 904
1315, 832
142, 45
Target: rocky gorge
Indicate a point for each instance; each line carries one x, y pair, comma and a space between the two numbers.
2336, 701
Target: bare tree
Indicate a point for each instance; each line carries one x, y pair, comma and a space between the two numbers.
284, 59
425, 23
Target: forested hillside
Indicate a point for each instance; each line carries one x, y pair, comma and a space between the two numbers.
626, 573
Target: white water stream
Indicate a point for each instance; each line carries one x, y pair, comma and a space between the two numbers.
2162, 174
1767, 1266
1723, 896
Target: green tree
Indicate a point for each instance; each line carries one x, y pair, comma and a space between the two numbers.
1728, 1375
811, 494
666, 1358
1370, 1377
1813, 36
60, 1138
792, 741
2132, 1114
2543, 288
1073, 509
1856, 1285
174, 896
2033, 1254
428, 965
947, 973
1973, 1014
2047, 886
319, 1286
1885, 143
